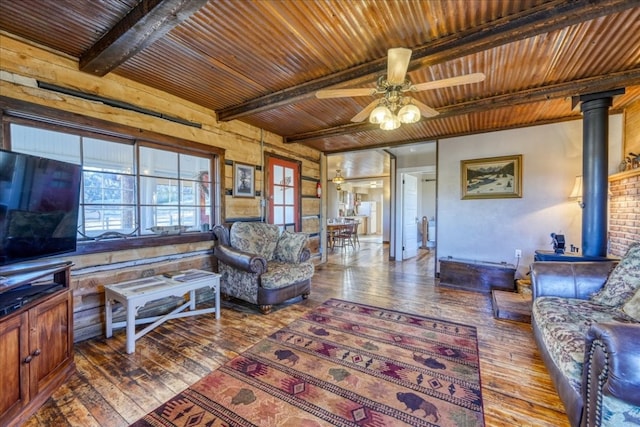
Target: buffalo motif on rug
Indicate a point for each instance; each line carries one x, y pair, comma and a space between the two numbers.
342, 364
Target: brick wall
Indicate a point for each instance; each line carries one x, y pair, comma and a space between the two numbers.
624, 211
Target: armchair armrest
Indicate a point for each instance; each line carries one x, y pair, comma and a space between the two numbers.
569, 279
305, 255
239, 260
221, 235
611, 366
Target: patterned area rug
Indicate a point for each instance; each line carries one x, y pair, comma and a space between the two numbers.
343, 364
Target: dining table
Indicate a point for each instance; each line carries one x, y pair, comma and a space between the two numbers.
335, 230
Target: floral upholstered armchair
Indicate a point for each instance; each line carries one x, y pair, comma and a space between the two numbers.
260, 265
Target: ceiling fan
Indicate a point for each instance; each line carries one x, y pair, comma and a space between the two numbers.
394, 87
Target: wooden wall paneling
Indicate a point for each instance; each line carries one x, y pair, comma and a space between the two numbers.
631, 126
310, 206
240, 141
308, 188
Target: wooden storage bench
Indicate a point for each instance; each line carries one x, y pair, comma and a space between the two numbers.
479, 276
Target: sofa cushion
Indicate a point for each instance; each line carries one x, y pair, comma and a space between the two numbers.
281, 274
255, 237
290, 246
623, 281
563, 324
632, 307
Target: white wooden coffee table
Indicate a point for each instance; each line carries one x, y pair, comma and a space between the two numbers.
134, 294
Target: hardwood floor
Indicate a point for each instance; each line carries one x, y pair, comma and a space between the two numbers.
112, 388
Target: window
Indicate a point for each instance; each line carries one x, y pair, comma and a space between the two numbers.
128, 186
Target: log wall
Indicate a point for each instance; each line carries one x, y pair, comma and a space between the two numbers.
23, 65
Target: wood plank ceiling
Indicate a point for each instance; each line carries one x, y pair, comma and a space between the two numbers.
262, 61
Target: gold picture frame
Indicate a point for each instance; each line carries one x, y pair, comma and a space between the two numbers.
491, 178
243, 180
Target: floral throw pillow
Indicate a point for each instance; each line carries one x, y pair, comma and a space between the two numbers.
290, 246
623, 281
632, 306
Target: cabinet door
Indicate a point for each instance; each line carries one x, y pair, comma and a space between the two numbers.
14, 373
50, 340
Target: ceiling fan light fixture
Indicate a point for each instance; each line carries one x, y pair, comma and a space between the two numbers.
380, 114
392, 123
409, 114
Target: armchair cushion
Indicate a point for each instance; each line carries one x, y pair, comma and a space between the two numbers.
290, 246
255, 238
632, 307
623, 281
281, 274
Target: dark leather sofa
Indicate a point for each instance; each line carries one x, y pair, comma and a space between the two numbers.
590, 348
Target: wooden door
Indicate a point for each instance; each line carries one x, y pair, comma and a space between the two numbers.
284, 193
50, 340
14, 374
409, 216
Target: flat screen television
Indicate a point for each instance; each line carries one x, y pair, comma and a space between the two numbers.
39, 201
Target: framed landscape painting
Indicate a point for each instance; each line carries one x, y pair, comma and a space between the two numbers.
491, 177
243, 180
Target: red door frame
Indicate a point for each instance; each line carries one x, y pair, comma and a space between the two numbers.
277, 183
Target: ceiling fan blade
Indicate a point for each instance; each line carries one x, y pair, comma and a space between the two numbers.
342, 93
453, 81
425, 109
365, 112
397, 64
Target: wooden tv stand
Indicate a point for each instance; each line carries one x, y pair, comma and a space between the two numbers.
36, 338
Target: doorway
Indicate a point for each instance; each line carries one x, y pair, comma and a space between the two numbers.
283, 196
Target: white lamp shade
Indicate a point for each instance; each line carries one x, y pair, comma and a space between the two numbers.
392, 123
576, 192
409, 114
380, 114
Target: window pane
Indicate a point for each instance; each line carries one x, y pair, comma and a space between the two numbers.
278, 214
158, 215
158, 191
278, 175
289, 215
288, 176
158, 163
46, 143
288, 195
101, 218
188, 217
193, 167
108, 188
107, 156
189, 193
278, 196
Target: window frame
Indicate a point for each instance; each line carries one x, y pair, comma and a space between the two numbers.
28, 114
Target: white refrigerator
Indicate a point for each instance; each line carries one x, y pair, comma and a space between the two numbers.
370, 209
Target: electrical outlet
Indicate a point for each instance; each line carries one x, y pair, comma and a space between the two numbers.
518, 253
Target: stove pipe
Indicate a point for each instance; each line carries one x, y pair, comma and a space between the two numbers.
595, 160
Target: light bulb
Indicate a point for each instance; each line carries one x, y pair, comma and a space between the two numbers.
379, 115
409, 114
390, 124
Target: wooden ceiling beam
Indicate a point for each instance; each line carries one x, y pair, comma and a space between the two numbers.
143, 25
541, 19
559, 90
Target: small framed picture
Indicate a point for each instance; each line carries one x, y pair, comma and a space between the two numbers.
243, 180
491, 178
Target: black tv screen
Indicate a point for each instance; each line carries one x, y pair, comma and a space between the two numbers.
39, 200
